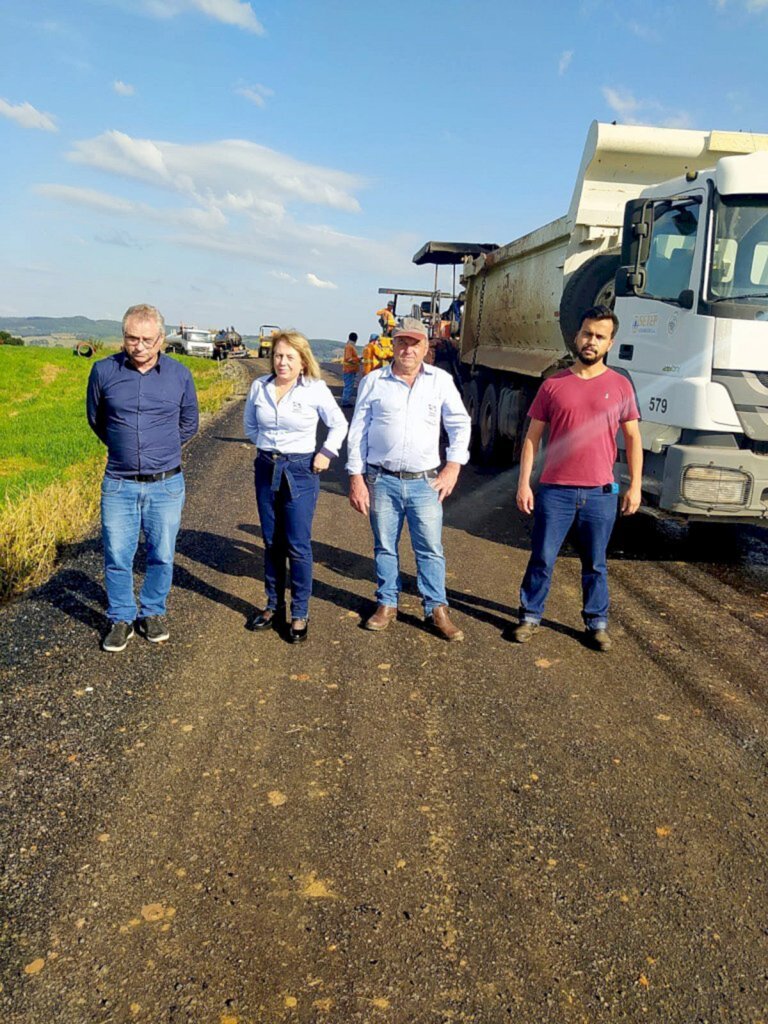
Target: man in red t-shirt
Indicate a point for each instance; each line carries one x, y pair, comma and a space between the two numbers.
584, 407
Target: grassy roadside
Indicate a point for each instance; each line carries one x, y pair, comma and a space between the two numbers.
50, 462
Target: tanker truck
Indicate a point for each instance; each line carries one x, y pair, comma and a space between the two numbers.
669, 227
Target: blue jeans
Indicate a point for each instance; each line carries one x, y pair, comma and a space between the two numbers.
348, 394
286, 495
394, 501
127, 508
555, 510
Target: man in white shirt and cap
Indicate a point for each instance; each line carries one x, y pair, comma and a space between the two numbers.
395, 475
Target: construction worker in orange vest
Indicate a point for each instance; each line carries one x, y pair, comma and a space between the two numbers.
368, 359
384, 352
386, 317
349, 367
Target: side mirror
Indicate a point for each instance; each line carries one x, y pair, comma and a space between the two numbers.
685, 298
629, 281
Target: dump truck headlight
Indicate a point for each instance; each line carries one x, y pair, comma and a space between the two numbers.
713, 485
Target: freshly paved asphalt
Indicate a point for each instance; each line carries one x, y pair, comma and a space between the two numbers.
226, 829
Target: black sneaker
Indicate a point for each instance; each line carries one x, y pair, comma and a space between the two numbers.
118, 636
154, 629
270, 618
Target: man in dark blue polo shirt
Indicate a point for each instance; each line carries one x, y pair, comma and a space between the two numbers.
142, 405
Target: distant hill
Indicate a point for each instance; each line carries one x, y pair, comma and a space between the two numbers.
64, 329
325, 349
74, 326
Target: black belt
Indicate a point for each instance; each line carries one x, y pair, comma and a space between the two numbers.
152, 478
405, 474
274, 456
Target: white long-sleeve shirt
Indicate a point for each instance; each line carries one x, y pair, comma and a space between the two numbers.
398, 427
290, 425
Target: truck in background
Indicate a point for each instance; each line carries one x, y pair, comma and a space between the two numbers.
267, 333
190, 341
670, 226
228, 344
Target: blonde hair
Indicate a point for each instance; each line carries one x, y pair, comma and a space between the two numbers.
297, 341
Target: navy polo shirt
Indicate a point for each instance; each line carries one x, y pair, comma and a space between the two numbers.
142, 418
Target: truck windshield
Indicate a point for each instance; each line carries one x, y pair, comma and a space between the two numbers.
740, 249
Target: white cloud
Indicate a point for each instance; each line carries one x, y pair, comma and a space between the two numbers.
28, 116
282, 276
86, 197
316, 282
621, 103
644, 32
230, 12
209, 219
256, 94
248, 235
631, 110
752, 6
228, 172
565, 61
122, 239
123, 88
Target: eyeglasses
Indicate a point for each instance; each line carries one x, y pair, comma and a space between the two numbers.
135, 342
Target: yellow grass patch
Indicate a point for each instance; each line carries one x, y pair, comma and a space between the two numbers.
49, 372
34, 525
20, 464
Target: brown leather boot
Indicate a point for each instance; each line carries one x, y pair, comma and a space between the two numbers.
442, 624
381, 618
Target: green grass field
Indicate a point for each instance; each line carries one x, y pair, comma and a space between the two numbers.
44, 434
50, 461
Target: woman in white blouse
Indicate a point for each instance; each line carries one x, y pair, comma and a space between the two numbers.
281, 417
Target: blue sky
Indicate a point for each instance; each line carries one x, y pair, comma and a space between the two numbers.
242, 163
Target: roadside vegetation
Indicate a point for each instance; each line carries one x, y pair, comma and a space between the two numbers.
50, 462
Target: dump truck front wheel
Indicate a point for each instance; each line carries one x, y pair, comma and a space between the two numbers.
591, 285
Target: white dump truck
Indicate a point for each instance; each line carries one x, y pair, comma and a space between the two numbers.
672, 226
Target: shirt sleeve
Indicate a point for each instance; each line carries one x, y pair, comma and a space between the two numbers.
629, 409
250, 419
357, 439
189, 416
539, 409
332, 416
93, 404
457, 423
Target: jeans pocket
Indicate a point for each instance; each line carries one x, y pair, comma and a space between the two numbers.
174, 486
111, 485
372, 475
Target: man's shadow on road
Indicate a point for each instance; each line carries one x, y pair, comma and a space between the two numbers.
78, 595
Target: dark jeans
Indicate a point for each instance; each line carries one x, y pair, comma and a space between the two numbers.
286, 495
556, 509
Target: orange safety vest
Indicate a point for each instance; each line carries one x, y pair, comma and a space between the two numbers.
351, 361
387, 316
369, 357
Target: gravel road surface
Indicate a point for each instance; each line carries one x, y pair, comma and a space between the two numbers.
227, 829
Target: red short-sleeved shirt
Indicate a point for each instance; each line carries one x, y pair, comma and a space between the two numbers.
584, 415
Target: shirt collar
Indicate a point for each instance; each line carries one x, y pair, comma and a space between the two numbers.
123, 362
426, 368
301, 380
